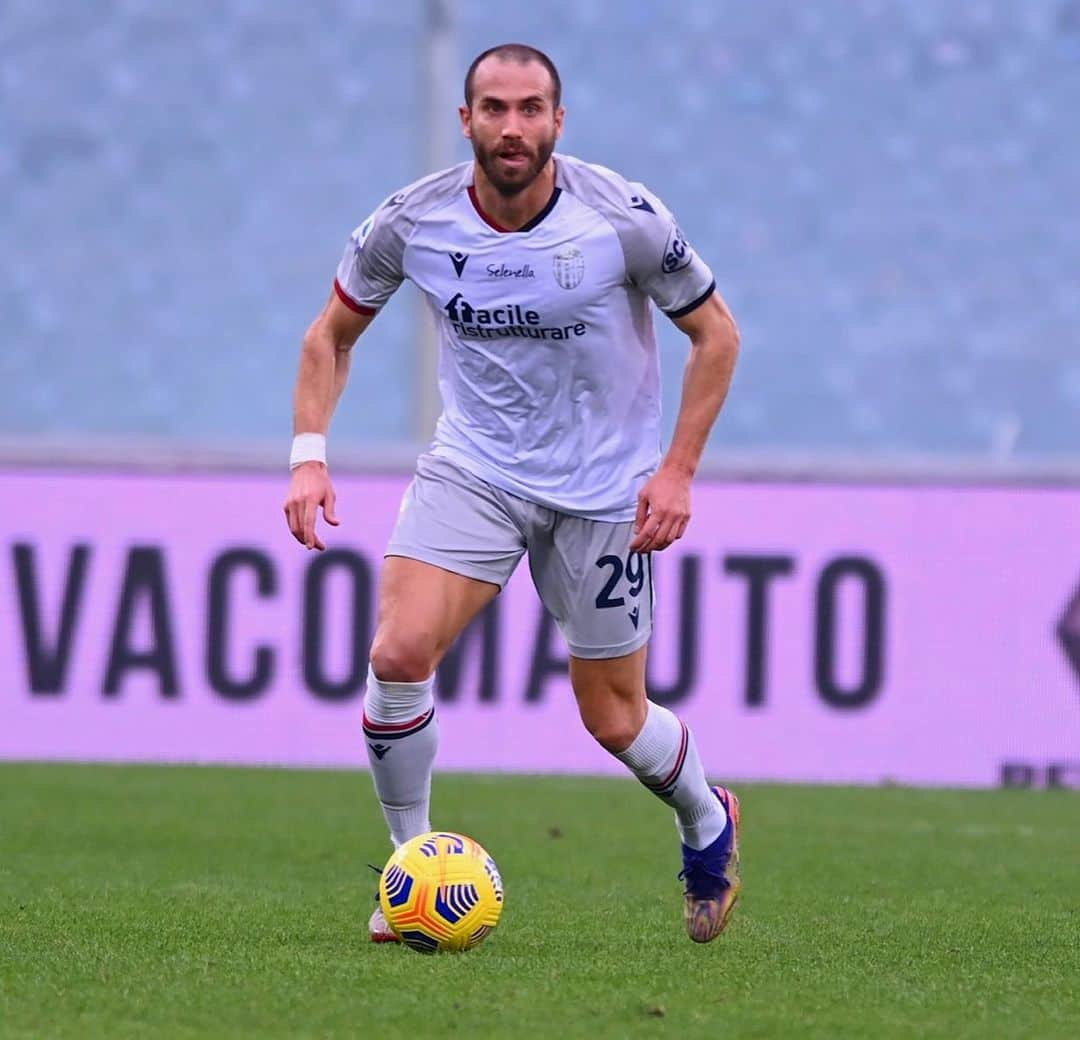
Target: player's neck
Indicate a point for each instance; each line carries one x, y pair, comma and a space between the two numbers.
515, 211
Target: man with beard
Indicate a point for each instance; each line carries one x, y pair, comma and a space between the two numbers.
539, 270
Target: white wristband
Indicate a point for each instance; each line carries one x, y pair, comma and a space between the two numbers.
308, 447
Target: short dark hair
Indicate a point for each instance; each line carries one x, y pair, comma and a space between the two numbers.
521, 53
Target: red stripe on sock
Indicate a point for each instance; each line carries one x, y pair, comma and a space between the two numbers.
394, 727
678, 761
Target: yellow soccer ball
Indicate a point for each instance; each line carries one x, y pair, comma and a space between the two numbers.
441, 891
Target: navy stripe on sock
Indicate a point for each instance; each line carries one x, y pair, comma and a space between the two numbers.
671, 781
372, 730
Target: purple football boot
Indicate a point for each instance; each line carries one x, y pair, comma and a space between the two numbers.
712, 877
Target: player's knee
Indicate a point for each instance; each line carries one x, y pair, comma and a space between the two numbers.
397, 659
613, 733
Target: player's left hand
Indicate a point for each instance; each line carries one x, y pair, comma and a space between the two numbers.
663, 511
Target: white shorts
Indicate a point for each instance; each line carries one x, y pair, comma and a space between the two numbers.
599, 592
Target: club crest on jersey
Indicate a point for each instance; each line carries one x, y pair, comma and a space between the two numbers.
569, 267
677, 252
459, 260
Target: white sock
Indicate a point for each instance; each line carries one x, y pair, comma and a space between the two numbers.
664, 758
402, 735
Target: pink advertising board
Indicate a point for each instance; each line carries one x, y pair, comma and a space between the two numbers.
806, 632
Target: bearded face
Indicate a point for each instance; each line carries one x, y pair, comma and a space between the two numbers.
512, 122
513, 164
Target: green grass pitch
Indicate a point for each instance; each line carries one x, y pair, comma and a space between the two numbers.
172, 902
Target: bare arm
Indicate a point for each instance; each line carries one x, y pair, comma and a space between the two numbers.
664, 502
324, 365
714, 346
324, 370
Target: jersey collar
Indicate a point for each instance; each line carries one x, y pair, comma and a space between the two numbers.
538, 219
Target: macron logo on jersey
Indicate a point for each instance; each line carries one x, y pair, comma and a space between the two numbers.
503, 320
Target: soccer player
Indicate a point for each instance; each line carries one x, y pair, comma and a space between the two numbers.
539, 269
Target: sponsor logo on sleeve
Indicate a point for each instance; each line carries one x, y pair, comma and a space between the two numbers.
642, 203
359, 236
677, 252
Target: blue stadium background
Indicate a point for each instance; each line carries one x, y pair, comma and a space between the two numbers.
887, 192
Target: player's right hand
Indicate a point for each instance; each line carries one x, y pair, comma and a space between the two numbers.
310, 488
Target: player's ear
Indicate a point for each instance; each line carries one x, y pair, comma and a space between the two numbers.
466, 121
560, 115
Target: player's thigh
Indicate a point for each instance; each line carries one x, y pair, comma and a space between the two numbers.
454, 546
457, 522
422, 610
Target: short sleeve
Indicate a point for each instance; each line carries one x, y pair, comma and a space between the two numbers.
660, 261
371, 266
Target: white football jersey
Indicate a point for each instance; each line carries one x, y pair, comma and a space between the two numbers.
548, 363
